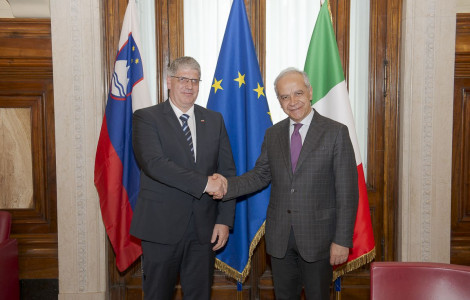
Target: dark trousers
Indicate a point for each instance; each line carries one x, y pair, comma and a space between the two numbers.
191, 259
292, 272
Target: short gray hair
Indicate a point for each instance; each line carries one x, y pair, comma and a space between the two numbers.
183, 62
290, 71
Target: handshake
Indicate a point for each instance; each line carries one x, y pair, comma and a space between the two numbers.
216, 186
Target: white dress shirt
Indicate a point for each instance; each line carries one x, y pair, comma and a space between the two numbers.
191, 123
305, 125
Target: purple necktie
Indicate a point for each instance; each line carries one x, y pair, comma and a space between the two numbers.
295, 146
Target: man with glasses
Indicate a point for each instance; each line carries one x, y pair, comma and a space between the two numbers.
178, 146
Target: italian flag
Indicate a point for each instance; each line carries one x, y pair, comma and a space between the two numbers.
330, 98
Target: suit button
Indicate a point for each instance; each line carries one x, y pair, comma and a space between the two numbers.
292, 191
288, 211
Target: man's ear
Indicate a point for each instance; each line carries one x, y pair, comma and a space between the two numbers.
168, 82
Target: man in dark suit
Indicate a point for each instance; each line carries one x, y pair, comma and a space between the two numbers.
178, 145
309, 159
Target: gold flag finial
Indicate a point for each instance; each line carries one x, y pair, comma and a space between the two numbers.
329, 10
331, 16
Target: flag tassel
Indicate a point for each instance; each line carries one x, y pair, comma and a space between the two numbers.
240, 277
354, 264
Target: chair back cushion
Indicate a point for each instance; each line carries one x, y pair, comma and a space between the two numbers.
416, 281
5, 225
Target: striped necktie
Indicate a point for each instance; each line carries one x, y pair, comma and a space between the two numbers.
187, 133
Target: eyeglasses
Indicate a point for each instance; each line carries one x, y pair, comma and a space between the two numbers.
185, 80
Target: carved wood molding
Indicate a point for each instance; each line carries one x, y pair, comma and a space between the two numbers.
26, 28
26, 48
462, 46
35, 227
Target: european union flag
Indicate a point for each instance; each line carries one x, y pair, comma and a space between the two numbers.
238, 93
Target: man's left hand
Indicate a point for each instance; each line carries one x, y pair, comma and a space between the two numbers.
338, 254
220, 234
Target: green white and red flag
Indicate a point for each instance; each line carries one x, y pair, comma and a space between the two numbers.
331, 99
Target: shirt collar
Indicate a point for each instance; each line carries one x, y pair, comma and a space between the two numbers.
306, 121
178, 112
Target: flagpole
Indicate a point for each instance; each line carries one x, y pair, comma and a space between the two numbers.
338, 288
239, 290
329, 9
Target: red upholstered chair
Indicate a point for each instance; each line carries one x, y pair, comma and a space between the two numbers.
419, 281
9, 281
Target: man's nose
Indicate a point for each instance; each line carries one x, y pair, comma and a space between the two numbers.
188, 85
292, 100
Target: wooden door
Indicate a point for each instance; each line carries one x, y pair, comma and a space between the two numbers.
460, 220
382, 145
382, 159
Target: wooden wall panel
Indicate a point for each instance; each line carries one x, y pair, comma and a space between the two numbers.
340, 11
16, 176
26, 83
169, 40
460, 220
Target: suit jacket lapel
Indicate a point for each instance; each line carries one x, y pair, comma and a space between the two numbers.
311, 139
200, 131
284, 142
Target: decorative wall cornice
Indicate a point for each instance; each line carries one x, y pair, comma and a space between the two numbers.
30, 8
427, 129
79, 128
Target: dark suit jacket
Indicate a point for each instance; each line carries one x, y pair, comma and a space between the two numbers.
319, 201
172, 184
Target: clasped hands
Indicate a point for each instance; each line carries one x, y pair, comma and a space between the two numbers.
216, 186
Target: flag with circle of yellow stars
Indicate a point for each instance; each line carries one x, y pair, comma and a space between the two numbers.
238, 93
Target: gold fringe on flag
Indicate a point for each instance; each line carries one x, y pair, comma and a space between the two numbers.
228, 270
354, 264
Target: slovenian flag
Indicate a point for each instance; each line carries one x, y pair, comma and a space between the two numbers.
117, 175
330, 98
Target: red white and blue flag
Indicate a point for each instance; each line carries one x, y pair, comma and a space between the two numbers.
117, 175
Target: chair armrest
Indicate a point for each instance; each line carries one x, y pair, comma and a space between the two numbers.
9, 273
